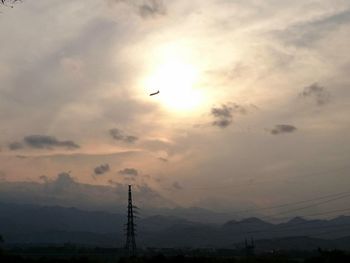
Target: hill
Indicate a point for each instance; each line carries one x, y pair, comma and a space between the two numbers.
30, 224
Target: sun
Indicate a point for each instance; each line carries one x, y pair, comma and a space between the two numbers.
177, 79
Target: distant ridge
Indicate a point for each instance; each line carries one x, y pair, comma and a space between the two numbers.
57, 225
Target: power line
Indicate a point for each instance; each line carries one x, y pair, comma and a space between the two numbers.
317, 214
301, 223
288, 228
293, 203
329, 212
250, 183
312, 205
294, 226
333, 231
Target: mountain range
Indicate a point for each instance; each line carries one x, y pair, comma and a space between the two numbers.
39, 225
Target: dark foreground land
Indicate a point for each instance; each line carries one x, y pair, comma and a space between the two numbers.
105, 255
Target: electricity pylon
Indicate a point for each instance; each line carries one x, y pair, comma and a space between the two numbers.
130, 244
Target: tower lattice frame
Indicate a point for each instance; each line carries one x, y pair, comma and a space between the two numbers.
130, 244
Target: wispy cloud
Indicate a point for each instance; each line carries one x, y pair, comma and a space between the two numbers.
152, 8
317, 93
146, 8
101, 169
129, 172
48, 142
223, 115
176, 186
43, 142
119, 135
282, 129
14, 146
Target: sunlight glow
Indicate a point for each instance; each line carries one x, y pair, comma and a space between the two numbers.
177, 80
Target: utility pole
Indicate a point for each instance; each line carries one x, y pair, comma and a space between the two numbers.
130, 244
250, 248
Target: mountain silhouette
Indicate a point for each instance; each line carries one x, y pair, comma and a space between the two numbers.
23, 224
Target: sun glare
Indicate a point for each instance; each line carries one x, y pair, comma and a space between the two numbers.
177, 80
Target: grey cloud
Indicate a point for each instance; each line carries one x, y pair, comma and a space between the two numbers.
64, 190
147, 8
177, 186
165, 160
152, 8
42, 142
116, 134
63, 183
48, 142
119, 135
283, 128
130, 139
223, 116
44, 178
316, 92
101, 169
13, 146
129, 172
307, 33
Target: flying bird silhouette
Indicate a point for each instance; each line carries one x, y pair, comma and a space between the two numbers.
155, 93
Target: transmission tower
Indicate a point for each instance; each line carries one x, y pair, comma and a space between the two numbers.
249, 248
130, 244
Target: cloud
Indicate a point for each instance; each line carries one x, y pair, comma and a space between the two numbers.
165, 160
42, 142
14, 146
223, 116
317, 93
119, 135
65, 190
129, 172
63, 182
283, 128
101, 169
177, 186
44, 178
146, 8
48, 142
152, 8
310, 32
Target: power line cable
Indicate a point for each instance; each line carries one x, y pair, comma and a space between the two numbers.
309, 206
293, 203
312, 205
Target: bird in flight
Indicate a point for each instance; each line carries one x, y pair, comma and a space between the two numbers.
155, 93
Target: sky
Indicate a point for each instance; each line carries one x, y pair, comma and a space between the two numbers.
253, 109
